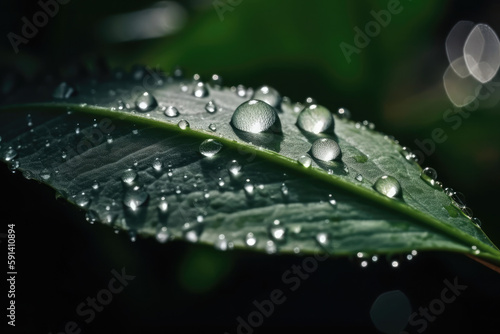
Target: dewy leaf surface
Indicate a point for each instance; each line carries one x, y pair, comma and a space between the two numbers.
105, 146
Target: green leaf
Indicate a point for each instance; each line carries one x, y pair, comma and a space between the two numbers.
142, 172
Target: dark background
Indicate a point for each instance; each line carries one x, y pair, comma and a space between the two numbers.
395, 82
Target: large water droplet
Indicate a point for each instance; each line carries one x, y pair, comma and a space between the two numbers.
256, 116
9, 154
134, 198
200, 90
210, 147
211, 107
268, 95
325, 149
315, 119
170, 111
129, 176
145, 102
183, 124
429, 175
388, 186
305, 161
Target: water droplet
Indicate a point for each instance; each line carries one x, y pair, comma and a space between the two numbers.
241, 91
277, 231
315, 119
268, 95
250, 240
13, 165
256, 116
249, 188
162, 235
332, 201
91, 216
476, 221
200, 90
134, 198
145, 102
457, 197
475, 250
344, 113
77, 128
325, 149
271, 247
121, 105
29, 121
183, 124
388, 186
95, 185
210, 147
305, 161
310, 100
9, 154
129, 176
132, 235
211, 107
233, 167
170, 111
163, 205
374, 258
216, 81
221, 243
212, 127
284, 190
395, 264
322, 238
82, 200
63, 91
109, 139
429, 175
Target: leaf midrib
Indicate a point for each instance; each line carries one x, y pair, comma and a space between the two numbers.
486, 251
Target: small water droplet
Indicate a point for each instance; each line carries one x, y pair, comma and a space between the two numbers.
91, 216
284, 190
344, 113
162, 235
121, 105
170, 111
429, 175
256, 116
210, 147
135, 197
325, 149
212, 127
95, 185
221, 243
233, 167
277, 231
457, 197
163, 205
268, 95
129, 176
145, 102
109, 139
183, 124
200, 90
310, 100
132, 235
211, 107
271, 247
13, 165
475, 250
250, 239
241, 91
157, 165
249, 188
315, 119
305, 161
29, 121
395, 264
216, 81
77, 128
332, 201
322, 238
374, 258
388, 186
9, 154
82, 200
476, 221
